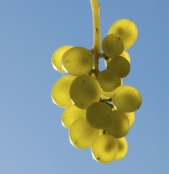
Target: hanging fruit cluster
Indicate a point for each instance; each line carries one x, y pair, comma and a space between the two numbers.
99, 108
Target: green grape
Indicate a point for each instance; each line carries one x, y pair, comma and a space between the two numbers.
131, 117
104, 148
77, 61
57, 57
71, 114
81, 134
84, 91
60, 91
106, 95
108, 80
120, 66
127, 29
119, 125
98, 115
126, 98
112, 45
126, 55
122, 149
123, 54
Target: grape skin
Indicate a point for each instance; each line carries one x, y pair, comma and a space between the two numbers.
108, 80
122, 149
112, 45
57, 57
98, 115
120, 66
131, 117
126, 98
77, 61
84, 91
119, 125
71, 114
104, 148
81, 134
127, 30
60, 91
106, 95
124, 54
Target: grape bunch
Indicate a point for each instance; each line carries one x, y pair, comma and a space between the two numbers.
99, 108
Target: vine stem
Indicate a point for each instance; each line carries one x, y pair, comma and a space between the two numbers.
96, 28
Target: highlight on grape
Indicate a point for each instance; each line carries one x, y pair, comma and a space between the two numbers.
99, 108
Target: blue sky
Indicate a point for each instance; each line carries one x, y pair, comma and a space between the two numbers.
33, 141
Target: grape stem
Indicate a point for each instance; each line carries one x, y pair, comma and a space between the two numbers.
96, 40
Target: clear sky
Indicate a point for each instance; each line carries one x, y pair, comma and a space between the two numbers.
32, 139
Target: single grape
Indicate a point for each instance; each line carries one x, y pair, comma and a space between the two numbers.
119, 125
104, 148
84, 91
112, 45
57, 57
127, 29
77, 61
120, 66
122, 149
131, 117
60, 91
98, 115
126, 98
81, 134
108, 80
71, 114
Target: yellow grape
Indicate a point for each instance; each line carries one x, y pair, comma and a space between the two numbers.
104, 148
81, 134
84, 91
126, 98
60, 91
127, 29
98, 115
131, 117
108, 80
106, 95
77, 61
119, 125
120, 66
71, 114
112, 45
124, 54
57, 57
122, 149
